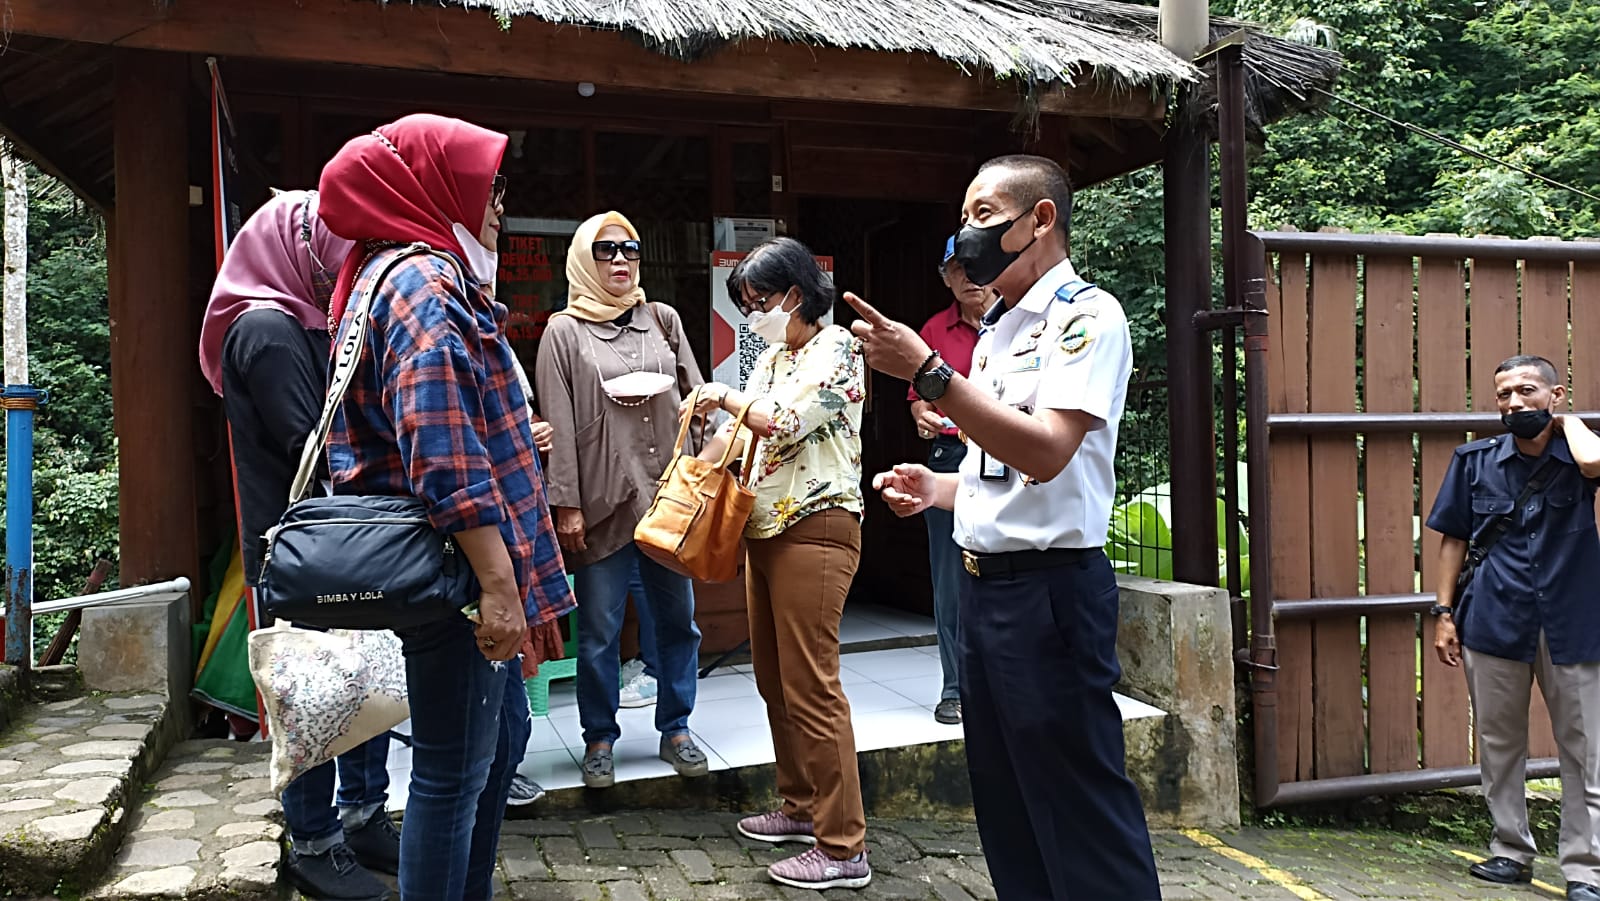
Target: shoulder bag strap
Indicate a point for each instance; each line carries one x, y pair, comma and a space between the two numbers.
344, 369
1497, 527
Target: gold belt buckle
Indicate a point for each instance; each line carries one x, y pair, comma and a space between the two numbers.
970, 561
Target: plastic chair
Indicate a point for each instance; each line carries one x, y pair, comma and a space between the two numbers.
538, 685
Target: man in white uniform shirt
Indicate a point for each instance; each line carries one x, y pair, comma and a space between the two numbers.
1057, 813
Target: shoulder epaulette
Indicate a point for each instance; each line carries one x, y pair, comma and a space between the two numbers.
1072, 290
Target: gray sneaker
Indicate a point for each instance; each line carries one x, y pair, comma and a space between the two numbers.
524, 791
948, 711
815, 870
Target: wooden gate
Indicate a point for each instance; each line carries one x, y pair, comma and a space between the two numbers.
1381, 362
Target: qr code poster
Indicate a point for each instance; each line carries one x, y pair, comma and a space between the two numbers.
734, 348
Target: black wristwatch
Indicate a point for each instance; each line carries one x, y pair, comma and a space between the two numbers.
931, 385
1440, 610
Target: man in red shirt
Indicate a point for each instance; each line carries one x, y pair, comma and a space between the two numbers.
953, 332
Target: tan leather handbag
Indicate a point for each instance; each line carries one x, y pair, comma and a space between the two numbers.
695, 525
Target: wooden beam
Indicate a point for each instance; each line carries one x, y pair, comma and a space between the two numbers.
471, 42
152, 334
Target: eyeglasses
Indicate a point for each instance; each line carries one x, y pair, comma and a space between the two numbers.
763, 304
606, 251
497, 190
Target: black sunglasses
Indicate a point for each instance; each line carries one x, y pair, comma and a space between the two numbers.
606, 251
497, 190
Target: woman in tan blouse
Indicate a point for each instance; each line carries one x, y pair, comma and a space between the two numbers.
611, 372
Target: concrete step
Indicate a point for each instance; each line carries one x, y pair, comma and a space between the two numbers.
209, 827
68, 768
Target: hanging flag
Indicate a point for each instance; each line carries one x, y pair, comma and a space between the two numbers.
224, 165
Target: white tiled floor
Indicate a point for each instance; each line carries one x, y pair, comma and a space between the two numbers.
892, 695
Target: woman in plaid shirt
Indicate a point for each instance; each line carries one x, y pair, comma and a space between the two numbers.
436, 411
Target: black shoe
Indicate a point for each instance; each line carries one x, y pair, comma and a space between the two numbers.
376, 844
334, 876
1503, 870
948, 711
1583, 891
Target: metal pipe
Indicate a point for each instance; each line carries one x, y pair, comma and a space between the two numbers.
1333, 423
1251, 260
1311, 608
134, 595
20, 402
1412, 246
1346, 787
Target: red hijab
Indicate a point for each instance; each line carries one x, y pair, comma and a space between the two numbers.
410, 180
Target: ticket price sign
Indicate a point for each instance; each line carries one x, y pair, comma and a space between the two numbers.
529, 284
734, 348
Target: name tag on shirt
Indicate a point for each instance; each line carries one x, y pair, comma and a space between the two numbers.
1028, 364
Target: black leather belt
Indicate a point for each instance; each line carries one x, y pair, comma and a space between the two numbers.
989, 566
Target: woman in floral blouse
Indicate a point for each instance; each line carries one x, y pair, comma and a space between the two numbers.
804, 543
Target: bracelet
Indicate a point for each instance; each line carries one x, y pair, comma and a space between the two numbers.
925, 364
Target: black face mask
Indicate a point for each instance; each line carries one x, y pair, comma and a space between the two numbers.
979, 252
1526, 424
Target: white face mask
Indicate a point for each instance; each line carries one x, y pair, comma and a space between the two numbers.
483, 262
772, 326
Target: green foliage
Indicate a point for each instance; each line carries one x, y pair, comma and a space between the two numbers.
69, 338
1140, 541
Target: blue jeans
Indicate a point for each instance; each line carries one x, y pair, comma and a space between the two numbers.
647, 623
602, 600
469, 730
944, 563
308, 802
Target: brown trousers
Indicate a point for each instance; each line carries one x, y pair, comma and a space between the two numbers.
796, 584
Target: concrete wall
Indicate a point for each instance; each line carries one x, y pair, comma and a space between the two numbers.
1176, 646
138, 647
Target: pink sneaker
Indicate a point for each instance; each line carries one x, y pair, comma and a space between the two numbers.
776, 827
816, 870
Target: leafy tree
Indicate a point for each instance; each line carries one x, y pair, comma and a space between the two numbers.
69, 334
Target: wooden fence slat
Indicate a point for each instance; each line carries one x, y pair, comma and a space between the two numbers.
1544, 312
1291, 524
1389, 511
1340, 736
1442, 365
1492, 312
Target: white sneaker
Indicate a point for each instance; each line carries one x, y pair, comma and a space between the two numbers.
631, 670
640, 691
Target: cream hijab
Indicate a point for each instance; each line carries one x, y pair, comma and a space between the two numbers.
587, 298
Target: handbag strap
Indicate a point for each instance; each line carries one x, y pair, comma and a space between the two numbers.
1496, 527
344, 369
727, 453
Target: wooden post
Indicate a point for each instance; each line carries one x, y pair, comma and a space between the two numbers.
1191, 436
153, 326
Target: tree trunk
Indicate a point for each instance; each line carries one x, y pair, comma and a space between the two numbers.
14, 175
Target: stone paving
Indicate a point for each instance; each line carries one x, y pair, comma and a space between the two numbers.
656, 856
209, 827
67, 767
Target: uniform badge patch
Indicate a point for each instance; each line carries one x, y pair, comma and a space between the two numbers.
1077, 335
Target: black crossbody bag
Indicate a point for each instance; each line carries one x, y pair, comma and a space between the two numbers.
1492, 531
359, 561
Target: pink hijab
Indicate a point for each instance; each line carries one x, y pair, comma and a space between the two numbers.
270, 266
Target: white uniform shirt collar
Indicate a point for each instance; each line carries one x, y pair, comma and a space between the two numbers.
1038, 298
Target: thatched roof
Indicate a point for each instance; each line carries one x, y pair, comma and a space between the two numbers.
1040, 43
